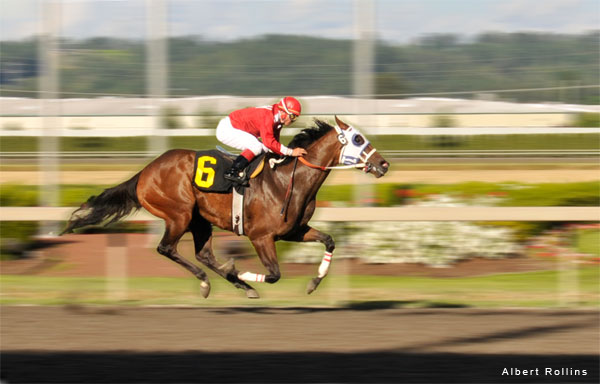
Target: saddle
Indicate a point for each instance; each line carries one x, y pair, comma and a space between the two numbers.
210, 165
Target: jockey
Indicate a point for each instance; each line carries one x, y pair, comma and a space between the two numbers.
242, 129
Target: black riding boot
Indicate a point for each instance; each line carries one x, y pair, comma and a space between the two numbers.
235, 173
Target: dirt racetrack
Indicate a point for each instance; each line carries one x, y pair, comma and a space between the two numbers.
378, 342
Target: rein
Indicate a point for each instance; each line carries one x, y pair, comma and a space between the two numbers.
311, 165
322, 168
288, 193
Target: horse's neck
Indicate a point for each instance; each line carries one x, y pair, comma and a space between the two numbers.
313, 178
322, 154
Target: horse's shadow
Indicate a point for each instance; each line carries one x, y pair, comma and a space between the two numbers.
369, 305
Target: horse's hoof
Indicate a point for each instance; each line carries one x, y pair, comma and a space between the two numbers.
312, 285
252, 294
204, 289
228, 267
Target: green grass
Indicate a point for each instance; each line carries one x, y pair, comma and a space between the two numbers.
588, 241
532, 289
381, 142
513, 194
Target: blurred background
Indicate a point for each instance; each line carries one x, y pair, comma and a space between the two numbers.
475, 104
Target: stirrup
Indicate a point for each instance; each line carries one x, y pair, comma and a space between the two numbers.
236, 178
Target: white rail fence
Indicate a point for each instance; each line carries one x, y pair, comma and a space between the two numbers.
404, 213
385, 153
142, 130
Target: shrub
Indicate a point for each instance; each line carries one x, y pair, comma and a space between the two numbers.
587, 119
12, 127
18, 196
443, 121
207, 119
170, 118
15, 238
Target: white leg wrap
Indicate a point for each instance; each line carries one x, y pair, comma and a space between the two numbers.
249, 276
325, 263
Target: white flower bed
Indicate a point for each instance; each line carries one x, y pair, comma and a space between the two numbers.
431, 243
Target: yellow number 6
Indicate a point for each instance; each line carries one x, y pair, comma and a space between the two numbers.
203, 170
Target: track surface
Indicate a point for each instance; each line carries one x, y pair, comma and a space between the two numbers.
374, 342
347, 177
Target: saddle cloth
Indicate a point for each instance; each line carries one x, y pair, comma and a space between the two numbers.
210, 165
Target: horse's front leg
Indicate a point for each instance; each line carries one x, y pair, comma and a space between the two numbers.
227, 270
309, 234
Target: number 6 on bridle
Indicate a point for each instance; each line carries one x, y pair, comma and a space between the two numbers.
165, 188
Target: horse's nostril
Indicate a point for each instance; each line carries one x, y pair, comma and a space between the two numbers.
385, 164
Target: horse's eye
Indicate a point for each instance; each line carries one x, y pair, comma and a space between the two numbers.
358, 140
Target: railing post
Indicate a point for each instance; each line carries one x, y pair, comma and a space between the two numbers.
116, 267
50, 111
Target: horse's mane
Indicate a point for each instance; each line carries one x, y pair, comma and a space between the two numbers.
310, 135
306, 137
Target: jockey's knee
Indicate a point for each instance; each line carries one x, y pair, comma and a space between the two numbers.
256, 148
221, 129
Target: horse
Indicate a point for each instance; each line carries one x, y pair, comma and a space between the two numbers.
164, 188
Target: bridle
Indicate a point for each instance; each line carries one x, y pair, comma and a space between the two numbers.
354, 146
351, 152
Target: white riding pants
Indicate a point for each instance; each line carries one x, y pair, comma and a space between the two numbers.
236, 138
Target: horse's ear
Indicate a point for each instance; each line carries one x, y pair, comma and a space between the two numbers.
340, 123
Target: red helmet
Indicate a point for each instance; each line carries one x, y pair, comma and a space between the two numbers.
290, 105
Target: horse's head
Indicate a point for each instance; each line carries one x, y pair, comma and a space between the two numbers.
357, 150
328, 146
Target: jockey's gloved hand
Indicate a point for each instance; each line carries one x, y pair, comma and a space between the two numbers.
298, 152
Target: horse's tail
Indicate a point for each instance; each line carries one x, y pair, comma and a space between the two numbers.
113, 203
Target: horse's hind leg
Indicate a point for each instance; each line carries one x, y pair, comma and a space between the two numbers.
168, 247
202, 232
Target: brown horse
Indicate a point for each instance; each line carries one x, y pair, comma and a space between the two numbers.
164, 188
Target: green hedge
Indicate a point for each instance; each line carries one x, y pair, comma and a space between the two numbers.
508, 194
381, 142
28, 196
588, 241
587, 119
479, 193
16, 238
